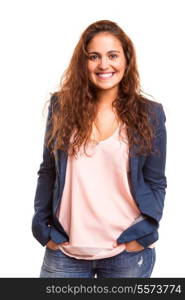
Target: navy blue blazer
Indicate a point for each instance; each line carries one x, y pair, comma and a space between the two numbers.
147, 183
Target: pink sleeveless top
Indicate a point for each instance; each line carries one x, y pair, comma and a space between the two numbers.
97, 205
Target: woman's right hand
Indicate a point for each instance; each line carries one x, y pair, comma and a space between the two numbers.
54, 246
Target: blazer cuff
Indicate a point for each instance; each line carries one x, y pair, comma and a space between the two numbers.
57, 236
149, 239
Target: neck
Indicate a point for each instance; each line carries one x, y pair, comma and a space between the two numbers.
106, 97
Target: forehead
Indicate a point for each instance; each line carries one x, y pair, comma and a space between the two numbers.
104, 42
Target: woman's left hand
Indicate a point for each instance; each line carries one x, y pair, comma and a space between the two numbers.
131, 246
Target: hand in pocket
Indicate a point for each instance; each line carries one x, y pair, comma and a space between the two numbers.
53, 246
131, 246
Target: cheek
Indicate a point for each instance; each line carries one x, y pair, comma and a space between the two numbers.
120, 66
90, 67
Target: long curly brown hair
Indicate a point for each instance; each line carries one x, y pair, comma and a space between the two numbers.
74, 105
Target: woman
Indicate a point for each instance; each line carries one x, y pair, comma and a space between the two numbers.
101, 185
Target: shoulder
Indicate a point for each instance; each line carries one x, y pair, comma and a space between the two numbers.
158, 112
156, 106
53, 103
54, 99
154, 110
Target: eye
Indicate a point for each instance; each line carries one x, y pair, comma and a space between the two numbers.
113, 56
93, 57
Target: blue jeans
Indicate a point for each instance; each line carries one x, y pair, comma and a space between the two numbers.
56, 264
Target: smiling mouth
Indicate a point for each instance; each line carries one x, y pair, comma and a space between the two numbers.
105, 75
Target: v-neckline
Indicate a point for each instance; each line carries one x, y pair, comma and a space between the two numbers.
110, 137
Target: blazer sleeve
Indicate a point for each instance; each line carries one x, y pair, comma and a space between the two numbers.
154, 183
154, 176
44, 191
154, 167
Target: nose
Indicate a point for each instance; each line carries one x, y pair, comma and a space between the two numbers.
103, 63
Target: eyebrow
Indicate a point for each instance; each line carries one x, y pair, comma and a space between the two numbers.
107, 52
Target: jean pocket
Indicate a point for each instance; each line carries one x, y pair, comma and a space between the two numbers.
135, 251
52, 250
138, 251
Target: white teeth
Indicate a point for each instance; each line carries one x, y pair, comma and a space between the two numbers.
106, 75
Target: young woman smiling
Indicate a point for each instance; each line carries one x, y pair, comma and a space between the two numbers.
101, 186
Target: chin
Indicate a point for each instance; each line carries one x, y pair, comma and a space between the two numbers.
104, 87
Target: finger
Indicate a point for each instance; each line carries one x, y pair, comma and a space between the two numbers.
65, 243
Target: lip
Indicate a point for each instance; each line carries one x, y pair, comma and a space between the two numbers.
98, 74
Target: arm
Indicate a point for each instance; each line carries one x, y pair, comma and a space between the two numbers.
154, 180
154, 168
154, 176
44, 192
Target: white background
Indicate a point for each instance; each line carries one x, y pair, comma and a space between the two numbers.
37, 41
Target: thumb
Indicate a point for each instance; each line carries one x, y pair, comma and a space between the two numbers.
65, 243
115, 244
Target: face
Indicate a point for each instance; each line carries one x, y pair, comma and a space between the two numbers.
106, 61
